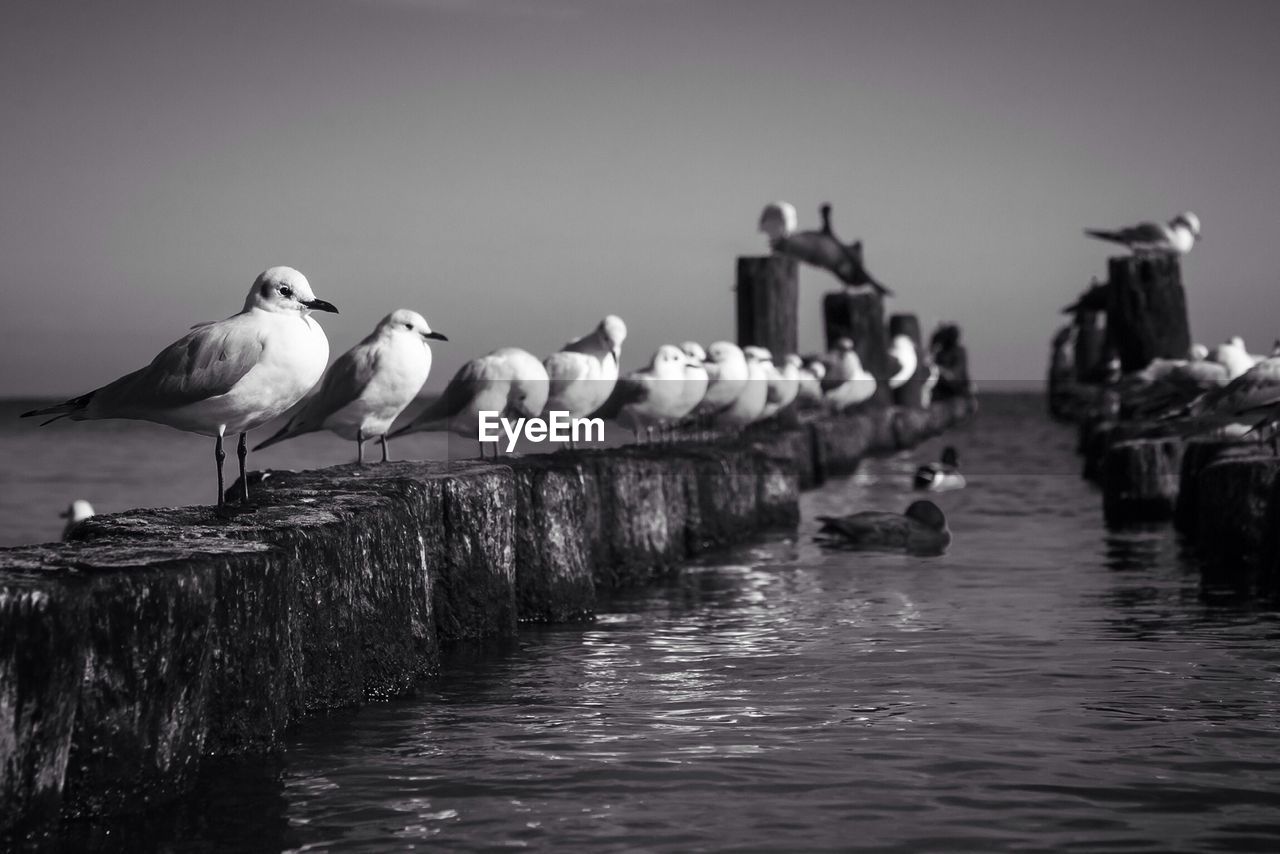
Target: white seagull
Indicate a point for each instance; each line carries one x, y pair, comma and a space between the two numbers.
653, 396
726, 368
369, 385
1151, 238
782, 387
530, 385
583, 373
749, 405
778, 220
847, 383
77, 511
903, 350
481, 385
228, 376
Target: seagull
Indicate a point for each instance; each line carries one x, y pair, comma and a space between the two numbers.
809, 388
696, 378
1234, 355
369, 385
778, 220
77, 511
726, 368
652, 396
903, 350
529, 383
824, 249
847, 383
582, 375
1253, 397
1176, 237
481, 385
748, 405
226, 376
782, 387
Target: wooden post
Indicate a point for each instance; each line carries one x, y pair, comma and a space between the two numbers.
768, 303
859, 316
911, 393
1091, 345
1147, 310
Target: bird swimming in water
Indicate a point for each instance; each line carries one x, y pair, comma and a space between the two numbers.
77, 511
368, 386
942, 476
1176, 237
227, 376
921, 530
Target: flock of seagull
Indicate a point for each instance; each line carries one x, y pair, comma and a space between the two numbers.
231, 376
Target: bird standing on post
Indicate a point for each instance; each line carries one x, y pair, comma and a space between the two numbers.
226, 376
369, 385
1176, 237
583, 373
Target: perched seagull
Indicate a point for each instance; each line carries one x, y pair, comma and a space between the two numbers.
824, 249
77, 511
696, 378
481, 385
529, 383
583, 373
1233, 354
809, 380
778, 220
1152, 238
749, 404
652, 396
782, 387
1251, 398
847, 383
226, 376
726, 368
369, 385
903, 350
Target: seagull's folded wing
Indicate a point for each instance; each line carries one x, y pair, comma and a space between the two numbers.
206, 362
1145, 232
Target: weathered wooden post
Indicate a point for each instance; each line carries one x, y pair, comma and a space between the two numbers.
859, 316
1146, 310
911, 393
768, 303
1091, 345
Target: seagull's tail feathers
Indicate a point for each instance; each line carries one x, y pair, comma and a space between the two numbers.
1113, 236
283, 433
67, 409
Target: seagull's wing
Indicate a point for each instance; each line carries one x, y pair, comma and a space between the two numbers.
206, 362
1144, 233
626, 390
567, 366
812, 247
458, 394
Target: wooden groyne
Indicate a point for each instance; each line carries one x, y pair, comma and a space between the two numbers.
1222, 495
163, 637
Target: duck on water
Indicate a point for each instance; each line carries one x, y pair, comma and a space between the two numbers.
921, 530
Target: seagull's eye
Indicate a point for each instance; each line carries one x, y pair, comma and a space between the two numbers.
286, 291
409, 326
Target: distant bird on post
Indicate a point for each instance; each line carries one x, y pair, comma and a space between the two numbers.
823, 249
77, 511
1176, 237
778, 220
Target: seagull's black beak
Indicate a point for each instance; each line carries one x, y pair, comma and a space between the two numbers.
320, 305
434, 336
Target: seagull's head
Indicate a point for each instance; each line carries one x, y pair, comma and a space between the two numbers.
403, 321
758, 354
285, 289
817, 368
793, 360
694, 351
725, 353
1189, 221
844, 345
778, 220
77, 511
612, 332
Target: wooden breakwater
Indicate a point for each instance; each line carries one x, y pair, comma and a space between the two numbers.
1222, 495
163, 637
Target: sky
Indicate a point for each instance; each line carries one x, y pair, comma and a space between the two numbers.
516, 169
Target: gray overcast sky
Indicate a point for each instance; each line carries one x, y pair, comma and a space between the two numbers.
514, 170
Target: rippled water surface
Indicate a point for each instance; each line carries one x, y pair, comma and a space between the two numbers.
1044, 686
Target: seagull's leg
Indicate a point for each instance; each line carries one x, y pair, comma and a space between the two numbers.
242, 451
359, 446
219, 455
385, 453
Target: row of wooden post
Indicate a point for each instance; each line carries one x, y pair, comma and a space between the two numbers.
768, 297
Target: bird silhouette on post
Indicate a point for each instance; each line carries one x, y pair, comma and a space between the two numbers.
824, 249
